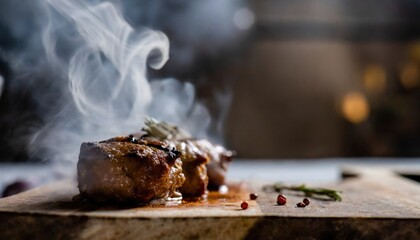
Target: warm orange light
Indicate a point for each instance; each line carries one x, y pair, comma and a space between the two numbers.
410, 75
374, 78
414, 51
355, 107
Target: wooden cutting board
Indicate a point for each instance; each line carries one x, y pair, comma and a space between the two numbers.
378, 203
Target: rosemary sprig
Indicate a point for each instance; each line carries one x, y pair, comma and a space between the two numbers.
164, 130
309, 192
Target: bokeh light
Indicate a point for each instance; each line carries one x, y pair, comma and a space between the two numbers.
355, 107
414, 51
243, 18
374, 78
1, 84
410, 75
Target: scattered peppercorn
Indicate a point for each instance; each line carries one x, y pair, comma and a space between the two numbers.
301, 204
244, 205
253, 196
306, 201
281, 199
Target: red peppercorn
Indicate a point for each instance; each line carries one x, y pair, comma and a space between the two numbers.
281, 199
244, 205
253, 196
301, 204
306, 201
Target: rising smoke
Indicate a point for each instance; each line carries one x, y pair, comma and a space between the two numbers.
89, 81
106, 69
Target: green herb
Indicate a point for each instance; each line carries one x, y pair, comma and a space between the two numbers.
321, 193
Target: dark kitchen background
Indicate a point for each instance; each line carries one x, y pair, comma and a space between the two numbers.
283, 78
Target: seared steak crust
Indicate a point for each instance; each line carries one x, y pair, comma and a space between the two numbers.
128, 170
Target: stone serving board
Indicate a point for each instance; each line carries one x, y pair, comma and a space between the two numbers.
378, 203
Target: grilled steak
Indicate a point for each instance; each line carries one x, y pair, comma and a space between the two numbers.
194, 168
204, 163
128, 170
218, 164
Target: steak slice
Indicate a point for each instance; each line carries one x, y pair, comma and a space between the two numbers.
128, 170
204, 164
194, 168
218, 165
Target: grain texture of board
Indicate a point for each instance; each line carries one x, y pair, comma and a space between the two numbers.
377, 203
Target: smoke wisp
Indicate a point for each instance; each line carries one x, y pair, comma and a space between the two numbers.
105, 62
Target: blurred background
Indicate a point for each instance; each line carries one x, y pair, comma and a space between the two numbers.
281, 78
328, 78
